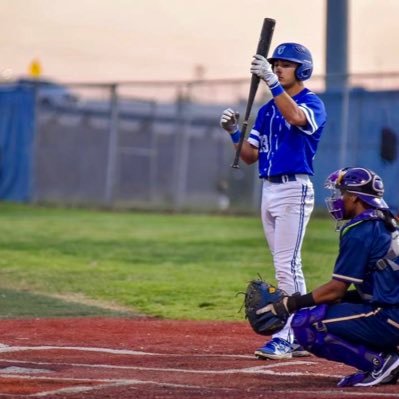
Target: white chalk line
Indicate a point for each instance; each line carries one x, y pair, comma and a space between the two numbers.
246, 370
9, 349
21, 370
110, 383
103, 383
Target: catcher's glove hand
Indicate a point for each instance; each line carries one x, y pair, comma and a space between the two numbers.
265, 307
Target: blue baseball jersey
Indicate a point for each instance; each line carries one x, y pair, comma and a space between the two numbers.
283, 148
363, 242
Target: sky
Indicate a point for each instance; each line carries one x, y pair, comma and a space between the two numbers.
130, 40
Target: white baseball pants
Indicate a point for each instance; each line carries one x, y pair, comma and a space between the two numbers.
286, 209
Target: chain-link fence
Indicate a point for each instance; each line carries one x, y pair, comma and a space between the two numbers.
158, 145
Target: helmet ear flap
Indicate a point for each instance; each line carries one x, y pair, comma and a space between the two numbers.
303, 72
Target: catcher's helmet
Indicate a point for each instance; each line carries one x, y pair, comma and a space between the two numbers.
365, 183
296, 53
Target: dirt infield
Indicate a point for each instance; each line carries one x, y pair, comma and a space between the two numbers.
146, 358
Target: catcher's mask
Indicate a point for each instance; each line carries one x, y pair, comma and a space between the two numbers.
362, 182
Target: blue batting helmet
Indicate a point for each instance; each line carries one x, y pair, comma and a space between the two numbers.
296, 53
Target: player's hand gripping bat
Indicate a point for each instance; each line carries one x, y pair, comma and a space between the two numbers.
263, 48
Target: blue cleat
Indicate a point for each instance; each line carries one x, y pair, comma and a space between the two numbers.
276, 349
352, 379
387, 373
298, 350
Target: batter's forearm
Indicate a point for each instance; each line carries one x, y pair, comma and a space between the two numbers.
249, 154
290, 110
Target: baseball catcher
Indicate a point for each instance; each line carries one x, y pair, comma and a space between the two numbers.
357, 327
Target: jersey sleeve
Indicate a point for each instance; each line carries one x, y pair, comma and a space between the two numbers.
254, 135
315, 113
352, 259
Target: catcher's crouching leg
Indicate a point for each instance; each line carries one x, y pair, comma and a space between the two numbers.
311, 333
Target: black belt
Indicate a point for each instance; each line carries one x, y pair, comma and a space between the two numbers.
280, 178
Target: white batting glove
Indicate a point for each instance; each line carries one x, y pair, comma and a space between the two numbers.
262, 68
229, 120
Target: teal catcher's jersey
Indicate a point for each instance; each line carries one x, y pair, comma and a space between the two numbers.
283, 148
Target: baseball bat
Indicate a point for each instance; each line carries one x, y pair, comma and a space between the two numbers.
263, 48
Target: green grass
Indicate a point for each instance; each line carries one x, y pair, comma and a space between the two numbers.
23, 304
170, 266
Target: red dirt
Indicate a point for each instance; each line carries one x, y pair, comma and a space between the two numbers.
146, 358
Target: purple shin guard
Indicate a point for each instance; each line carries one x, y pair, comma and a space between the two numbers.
312, 334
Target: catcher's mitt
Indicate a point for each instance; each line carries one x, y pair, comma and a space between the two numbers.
258, 295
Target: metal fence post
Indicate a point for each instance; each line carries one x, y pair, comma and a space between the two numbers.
183, 120
110, 182
344, 122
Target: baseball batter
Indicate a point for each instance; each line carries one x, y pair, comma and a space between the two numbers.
284, 141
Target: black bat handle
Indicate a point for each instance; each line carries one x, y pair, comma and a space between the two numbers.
263, 49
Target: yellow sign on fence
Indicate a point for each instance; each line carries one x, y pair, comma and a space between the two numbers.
35, 68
